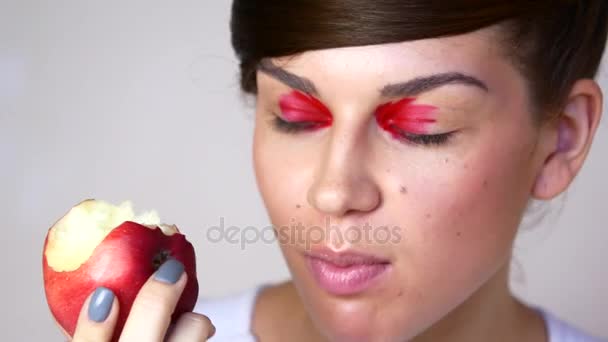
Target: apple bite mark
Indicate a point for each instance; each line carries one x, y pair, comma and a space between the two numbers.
98, 244
74, 237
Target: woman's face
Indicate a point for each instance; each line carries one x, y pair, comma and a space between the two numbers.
353, 167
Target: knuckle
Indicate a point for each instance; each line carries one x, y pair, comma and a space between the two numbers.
202, 324
154, 299
196, 318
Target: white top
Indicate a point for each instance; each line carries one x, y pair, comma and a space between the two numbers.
232, 316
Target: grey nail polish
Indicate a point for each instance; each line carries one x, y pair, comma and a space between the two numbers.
170, 271
100, 304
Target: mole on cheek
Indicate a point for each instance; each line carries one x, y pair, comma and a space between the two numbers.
298, 206
458, 234
485, 184
403, 190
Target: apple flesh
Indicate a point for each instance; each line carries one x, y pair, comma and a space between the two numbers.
99, 244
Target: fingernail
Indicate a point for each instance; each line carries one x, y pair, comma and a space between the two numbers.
101, 304
170, 271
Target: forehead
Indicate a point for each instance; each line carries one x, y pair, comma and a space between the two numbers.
479, 53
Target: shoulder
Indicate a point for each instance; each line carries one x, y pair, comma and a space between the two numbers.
231, 314
562, 331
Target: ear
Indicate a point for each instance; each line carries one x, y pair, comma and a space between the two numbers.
567, 142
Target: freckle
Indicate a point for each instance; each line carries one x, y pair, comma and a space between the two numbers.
298, 206
400, 293
466, 166
458, 234
447, 160
403, 190
485, 183
388, 170
428, 216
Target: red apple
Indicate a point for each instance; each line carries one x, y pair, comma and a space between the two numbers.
99, 244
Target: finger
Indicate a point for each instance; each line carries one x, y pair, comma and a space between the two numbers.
169, 331
150, 314
191, 327
97, 317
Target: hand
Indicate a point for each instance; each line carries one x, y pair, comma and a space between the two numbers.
150, 315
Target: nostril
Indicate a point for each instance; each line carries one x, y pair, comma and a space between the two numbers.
368, 199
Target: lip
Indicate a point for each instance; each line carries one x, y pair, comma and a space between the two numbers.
346, 273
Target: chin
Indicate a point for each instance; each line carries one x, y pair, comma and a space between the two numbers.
390, 314
349, 319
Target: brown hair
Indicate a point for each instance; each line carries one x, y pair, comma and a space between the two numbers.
553, 42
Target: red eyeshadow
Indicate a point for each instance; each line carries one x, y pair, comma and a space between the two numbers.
300, 107
404, 116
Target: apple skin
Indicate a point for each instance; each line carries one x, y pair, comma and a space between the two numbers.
122, 262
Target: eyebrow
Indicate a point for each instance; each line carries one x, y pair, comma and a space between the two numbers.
409, 88
291, 80
421, 85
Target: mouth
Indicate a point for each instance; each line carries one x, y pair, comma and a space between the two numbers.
346, 273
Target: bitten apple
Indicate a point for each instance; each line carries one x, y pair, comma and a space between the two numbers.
99, 244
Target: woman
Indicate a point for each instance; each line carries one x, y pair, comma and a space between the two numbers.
399, 142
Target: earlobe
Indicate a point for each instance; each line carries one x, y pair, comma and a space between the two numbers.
567, 142
553, 179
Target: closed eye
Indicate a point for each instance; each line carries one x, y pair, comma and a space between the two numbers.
284, 126
289, 127
424, 139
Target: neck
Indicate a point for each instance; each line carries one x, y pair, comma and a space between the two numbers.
490, 314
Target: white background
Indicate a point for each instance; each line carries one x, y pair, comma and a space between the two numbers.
140, 100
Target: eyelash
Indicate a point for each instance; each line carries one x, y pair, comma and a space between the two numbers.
417, 139
425, 139
292, 127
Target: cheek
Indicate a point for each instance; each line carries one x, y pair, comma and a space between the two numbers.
281, 177
485, 193
463, 213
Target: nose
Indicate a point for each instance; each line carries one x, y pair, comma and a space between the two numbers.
343, 182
